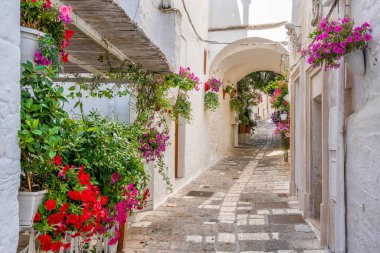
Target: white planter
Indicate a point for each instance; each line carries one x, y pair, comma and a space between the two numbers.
28, 204
284, 116
29, 43
327, 3
356, 62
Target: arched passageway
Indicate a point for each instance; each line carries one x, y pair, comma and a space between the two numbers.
245, 56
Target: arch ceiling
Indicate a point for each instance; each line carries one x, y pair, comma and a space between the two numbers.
235, 61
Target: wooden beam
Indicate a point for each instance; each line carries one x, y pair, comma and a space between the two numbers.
86, 66
95, 35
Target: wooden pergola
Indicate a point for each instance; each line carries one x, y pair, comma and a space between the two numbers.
103, 28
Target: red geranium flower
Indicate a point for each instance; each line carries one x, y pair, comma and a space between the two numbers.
207, 86
64, 208
57, 160
64, 171
55, 218
55, 246
66, 245
74, 195
50, 205
48, 4
37, 217
103, 200
45, 241
68, 34
84, 179
65, 57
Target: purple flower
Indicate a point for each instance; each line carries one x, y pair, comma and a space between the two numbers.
367, 37
115, 177
39, 59
338, 28
349, 39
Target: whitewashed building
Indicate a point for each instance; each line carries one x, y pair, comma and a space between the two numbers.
335, 118
227, 39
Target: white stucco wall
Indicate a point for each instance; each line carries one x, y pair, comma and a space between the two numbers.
9, 124
117, 108
363, 143
209, 136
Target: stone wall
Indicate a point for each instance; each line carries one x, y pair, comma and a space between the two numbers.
9, 124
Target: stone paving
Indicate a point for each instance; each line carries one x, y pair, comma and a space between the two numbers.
239, 205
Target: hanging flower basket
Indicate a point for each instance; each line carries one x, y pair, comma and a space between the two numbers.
29, 43
28, 204
356, 62
334, 39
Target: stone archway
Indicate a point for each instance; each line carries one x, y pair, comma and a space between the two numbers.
242, 57
245, 56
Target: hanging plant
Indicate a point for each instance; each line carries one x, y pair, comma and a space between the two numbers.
236, 104
213, 84
42, 16
211, 101
182, 108
334, 39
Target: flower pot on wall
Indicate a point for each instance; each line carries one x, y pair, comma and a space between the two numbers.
284, 116
29, 43
28, 204
356, 62
327, 3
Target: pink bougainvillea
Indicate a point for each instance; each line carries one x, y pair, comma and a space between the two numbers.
335, 38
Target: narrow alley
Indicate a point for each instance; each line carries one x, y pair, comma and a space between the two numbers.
240, 204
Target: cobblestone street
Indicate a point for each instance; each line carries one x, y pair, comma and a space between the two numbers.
239, 205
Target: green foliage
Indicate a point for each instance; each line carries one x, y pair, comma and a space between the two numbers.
49, 49
272, 85
182, 108
106, 147
236, 104
260, 80
149, 90
211, 101
46, 129
245, 118
229, 89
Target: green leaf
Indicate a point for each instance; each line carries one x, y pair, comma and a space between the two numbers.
37, 132
52, 154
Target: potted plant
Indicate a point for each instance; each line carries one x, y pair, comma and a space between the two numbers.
337, 38
186, 81
45, 131
211, 101
284, 116
38, 18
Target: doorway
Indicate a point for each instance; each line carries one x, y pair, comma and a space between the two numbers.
316, 160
